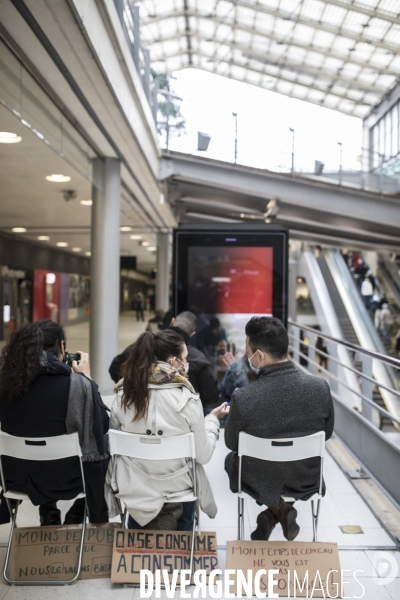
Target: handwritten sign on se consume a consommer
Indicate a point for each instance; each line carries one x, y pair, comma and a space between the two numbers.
135, 550
302, 568
51, 553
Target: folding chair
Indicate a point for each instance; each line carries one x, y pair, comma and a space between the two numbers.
49, 448
281, 450
153, 447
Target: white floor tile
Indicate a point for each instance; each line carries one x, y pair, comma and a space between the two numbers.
354, 560
364, 588
387, 556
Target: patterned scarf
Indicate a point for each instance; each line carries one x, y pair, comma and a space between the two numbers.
163, 373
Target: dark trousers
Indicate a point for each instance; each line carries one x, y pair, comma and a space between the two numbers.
185, 522
75, 513
139, 312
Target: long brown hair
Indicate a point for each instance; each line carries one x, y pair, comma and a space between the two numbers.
148, 348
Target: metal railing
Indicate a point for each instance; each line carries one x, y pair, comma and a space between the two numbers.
376, 451
326, 166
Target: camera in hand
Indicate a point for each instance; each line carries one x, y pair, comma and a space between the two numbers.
71, 357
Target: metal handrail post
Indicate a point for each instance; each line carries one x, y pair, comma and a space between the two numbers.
296, 343
333, 367
367, 387
312, 358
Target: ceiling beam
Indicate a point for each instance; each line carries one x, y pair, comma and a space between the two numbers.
188, 32
365, 10
301, 69
286, 16
281, 78
307, 47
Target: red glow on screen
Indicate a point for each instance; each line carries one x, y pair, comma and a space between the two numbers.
231, 280
245, 281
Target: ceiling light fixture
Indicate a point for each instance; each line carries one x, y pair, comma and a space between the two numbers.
58, 178
18, 229
87, 202
125, 228
145, 243
43, 238
62, 244
6, 137
88, 253
152, 248
135, 237
76, 249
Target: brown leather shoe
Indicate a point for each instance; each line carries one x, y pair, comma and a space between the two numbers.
265, 525
287, 517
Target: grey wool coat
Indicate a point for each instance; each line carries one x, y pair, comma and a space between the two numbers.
283, 402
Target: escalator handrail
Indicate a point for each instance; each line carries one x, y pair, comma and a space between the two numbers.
394, 362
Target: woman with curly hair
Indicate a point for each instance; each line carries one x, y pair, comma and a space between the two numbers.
41, 396
156, 398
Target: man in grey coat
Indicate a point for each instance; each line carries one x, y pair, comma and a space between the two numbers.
283, 402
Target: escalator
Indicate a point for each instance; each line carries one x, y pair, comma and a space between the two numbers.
349, 334
389, 278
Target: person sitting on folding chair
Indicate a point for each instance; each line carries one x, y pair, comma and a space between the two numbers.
157, 399
283, 402
42, 396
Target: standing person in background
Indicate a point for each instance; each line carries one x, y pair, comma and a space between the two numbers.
41, 396
385, 321
371, 277
367, 291
238, 375
321, 346
139, 299
208, 338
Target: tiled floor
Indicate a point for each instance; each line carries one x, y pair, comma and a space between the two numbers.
342, 505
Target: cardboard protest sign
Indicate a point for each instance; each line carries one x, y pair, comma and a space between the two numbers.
301, 566
137, 549
41, 553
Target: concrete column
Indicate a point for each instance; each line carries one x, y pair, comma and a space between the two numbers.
162, 278
105, 277
371, 258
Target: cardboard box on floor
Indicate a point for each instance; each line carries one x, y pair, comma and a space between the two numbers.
300, 564
51, 553
157, 550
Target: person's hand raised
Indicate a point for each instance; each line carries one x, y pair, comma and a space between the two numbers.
221, 411
83, 366
228, 358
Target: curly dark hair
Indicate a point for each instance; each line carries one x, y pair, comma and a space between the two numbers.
20, 358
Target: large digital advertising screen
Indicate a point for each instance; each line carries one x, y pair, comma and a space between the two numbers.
226, 276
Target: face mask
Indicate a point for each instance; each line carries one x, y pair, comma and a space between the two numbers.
184, 368
255, 370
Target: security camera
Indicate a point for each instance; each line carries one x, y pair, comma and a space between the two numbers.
69, 195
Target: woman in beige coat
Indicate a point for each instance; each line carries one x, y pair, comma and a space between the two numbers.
155, 398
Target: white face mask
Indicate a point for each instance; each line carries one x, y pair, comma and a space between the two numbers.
255, 370
185, 366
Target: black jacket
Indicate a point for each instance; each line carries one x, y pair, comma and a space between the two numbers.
41, 412
283, 402
200, 374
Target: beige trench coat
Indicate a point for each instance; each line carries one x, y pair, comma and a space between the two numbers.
145, 485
